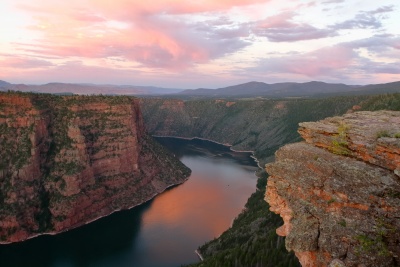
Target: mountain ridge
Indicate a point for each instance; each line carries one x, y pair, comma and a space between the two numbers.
245, 90
292, 89
3, 84
81, 88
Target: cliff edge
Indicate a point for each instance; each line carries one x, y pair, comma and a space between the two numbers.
68, 160
339, 192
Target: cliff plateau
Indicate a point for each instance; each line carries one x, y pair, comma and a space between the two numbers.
66, 161
339, 192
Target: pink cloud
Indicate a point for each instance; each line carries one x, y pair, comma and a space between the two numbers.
141, 32
174, 37
282, 20
78, 72
283, 28
23, 63
13, 66
341, 62
124, 8
83, 15
67, 72
322, 62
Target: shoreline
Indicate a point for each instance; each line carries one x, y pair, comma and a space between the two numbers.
212, 141
93, 220
230, 147
197, 251
200, 138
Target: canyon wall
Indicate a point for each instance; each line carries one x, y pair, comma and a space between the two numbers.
66, 161
339, 191
260, 125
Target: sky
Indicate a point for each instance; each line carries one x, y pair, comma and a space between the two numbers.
199, 43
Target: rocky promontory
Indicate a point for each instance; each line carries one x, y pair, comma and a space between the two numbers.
339, 192
68, 160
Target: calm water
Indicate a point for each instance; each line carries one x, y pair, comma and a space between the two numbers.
162, 232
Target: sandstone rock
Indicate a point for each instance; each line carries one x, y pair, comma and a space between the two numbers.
173, 105
373, 137
337, 263
66, 161
340, 207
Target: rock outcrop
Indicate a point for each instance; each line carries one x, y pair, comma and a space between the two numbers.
339, 192
66, 161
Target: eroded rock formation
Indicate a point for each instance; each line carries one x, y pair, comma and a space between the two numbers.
66, 161
339, 192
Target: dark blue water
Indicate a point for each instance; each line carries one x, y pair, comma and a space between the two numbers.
163, 232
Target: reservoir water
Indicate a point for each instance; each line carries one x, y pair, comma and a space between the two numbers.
163, 232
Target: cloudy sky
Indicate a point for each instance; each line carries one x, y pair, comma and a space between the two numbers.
201, 43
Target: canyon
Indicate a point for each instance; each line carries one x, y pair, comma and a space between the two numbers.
257, 125
263, 126
68, 160
338, 192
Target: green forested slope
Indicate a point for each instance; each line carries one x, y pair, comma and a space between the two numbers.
250, 124
251, 241
262, 126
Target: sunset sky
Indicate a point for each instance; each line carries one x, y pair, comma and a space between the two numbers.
202, 43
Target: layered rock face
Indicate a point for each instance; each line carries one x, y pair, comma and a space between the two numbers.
66, 161
339, 192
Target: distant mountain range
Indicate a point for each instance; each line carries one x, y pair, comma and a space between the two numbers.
291, 89
250, 89
70, 88
3, 84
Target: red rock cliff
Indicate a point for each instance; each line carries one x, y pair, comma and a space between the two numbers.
66, 161
339, 192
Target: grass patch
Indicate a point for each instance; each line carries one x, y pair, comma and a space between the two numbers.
339, 145
382, 133
332, 200
342, 223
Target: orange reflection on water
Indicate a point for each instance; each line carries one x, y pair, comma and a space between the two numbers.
204, 206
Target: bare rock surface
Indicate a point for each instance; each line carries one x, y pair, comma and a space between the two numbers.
66, 161
373, 137
339, 192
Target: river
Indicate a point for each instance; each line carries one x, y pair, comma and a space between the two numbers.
163, 232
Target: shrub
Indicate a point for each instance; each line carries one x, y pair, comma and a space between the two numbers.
382, 133
339, 143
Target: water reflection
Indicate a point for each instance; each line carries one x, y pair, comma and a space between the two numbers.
80, 247
161, 232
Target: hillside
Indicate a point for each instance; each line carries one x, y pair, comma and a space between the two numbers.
260, 125
66, 161
291, 89
3, 84
313, 89
253, 89
90, 89
253, 231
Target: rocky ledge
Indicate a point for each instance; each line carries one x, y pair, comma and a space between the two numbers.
66, 161
339, 192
